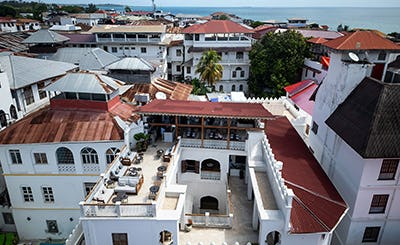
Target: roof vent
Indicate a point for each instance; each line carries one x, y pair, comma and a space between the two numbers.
358, 45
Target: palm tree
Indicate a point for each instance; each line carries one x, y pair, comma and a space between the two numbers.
209, 68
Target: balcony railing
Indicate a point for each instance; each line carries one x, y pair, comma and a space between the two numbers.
213, 144
66, 168
211, 220
91, 168
211, 175
118, 210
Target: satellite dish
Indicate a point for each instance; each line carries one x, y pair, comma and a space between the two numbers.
354, 57
161, 96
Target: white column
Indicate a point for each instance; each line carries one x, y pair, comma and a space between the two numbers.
255, 217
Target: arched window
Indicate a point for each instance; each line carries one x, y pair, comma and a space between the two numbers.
273, 238
233, 88
210, 165
89, 156
209, 202
64, 156
241, 87
13, 112
237, 71
111, 153
221, 88
3, 119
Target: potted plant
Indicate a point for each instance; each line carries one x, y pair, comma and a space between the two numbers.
188, 225
142, 141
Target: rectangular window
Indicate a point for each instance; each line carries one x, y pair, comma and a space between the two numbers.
188, 70
8, 218
114, 49
388, 169
314, 127
143, 50
28, 95
196, 37
40, 158
48, 195
178, 68
27, 193
42, 93
239, 55
88, 187
190, 166
378, 204
15, 157
119, 238
52, 226
234, 74
371, 234
178, 52
241, 73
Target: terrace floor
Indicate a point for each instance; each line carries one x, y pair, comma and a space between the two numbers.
241, 230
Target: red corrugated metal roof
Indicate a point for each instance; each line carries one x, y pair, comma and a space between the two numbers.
317, 40
68, 125
302, 99
362, 40
318, 206
217, 26
199, 108
295, 88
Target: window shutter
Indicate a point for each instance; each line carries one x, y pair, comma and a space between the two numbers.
183, 166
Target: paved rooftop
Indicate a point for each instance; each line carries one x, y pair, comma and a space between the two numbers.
267, 195
241, 231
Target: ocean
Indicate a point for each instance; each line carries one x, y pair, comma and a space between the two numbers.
384, 19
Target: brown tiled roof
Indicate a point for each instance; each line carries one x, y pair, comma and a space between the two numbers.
173, 90
317, 206
368, 119
317, 40
217, 26
211, 109
362, 40
68, 125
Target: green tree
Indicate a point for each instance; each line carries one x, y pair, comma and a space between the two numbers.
223, 17
256, 23
209, 68
275, 62
7, 11
198, 87
128, 9
91, 8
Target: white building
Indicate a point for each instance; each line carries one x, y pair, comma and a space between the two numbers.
154, 200
355, 135
51, 158
16, 25
8, 111
90, 19
230, 40
28, 76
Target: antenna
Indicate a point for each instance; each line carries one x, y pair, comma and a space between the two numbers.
354, 57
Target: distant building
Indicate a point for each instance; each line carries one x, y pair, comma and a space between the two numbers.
230, 40
90, 19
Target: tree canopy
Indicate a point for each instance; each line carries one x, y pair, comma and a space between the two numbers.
91, 8
209, 68
128, 9
275, 62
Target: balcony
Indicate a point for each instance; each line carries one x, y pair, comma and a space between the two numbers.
119, 210
213, 144
66, 168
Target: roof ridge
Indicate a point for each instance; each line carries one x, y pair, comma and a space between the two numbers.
314, 216
314, 193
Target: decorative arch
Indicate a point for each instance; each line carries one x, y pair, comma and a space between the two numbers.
241, 87
3, 119
210, 165
111, 153
64, 156
221, 88
89, 156
273, 238
209, 202
13, 112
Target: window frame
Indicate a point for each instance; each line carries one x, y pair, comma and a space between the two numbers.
371, 234
69, 155
27, 194
388, 169
143, 50
314, 127
8, 218
42, 93
51, 229
110, 156
28, 95
119, 238
378, 204
89, 156
15, 155
48, 194
40, 158
88, 187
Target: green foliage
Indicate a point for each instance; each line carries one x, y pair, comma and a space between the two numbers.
199, 88
254, 24
141, 137
73, 9
209, 68
275, 62
7, 11
223, 17
341, 28
91, 8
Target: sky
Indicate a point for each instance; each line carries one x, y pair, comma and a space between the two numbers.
240, 3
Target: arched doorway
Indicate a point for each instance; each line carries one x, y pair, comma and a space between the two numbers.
209, 202
3, 119
13, 112
273, 238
